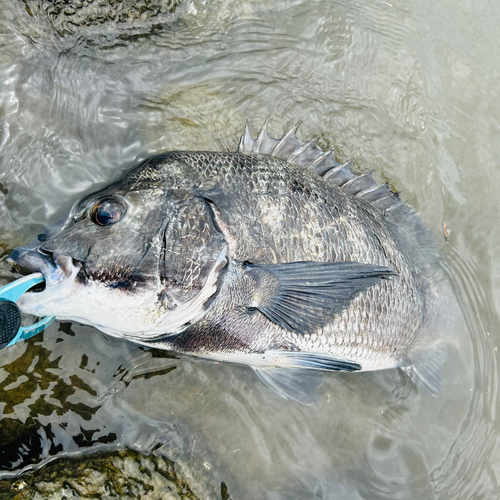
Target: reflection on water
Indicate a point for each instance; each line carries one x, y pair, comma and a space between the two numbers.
408, 90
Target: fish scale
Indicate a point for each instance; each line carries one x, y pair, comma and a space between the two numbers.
276, 256
350, 240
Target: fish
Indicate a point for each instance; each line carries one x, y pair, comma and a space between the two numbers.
275, 256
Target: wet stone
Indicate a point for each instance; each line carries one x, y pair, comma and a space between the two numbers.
66, 16
123, 475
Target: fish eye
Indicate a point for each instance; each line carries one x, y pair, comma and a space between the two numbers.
108, 211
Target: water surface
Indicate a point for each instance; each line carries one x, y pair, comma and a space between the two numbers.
408, 89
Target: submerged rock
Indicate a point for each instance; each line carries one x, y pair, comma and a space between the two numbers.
66, 15
123, 475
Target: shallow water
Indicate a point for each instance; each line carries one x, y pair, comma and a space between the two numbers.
410, 90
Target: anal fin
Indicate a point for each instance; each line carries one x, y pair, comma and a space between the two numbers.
310, 361
298, 385
295, 375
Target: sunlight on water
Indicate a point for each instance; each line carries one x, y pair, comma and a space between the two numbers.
409, 90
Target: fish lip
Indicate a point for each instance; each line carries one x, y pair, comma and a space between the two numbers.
55, 268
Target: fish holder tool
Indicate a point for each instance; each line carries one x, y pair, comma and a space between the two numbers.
11, 330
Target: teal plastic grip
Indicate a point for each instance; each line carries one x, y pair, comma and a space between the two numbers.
10, 315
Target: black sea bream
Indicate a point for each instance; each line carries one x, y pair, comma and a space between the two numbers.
275, 256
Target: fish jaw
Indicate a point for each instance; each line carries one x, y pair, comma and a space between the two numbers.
95, 304
48, 301
59, 273
69, 295
55, 268
136, 315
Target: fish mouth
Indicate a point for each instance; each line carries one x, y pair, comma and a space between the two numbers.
55, 268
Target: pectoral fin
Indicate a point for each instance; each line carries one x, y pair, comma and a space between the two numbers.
305, 296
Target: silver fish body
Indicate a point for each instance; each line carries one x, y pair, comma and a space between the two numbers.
272, 212
273, 256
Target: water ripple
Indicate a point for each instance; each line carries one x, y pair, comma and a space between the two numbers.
409, 91
460, 473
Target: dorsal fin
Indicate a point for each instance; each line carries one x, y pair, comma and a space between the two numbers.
310, 156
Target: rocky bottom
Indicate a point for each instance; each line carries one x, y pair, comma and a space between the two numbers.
123, 475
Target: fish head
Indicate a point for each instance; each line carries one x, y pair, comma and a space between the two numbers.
137, 259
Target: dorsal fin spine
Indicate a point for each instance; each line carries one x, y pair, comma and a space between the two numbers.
260, 138
310, 156
320, 165
246, 142
319, 159
300, 150
290, 134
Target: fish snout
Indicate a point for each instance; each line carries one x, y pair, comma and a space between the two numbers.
55, 268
